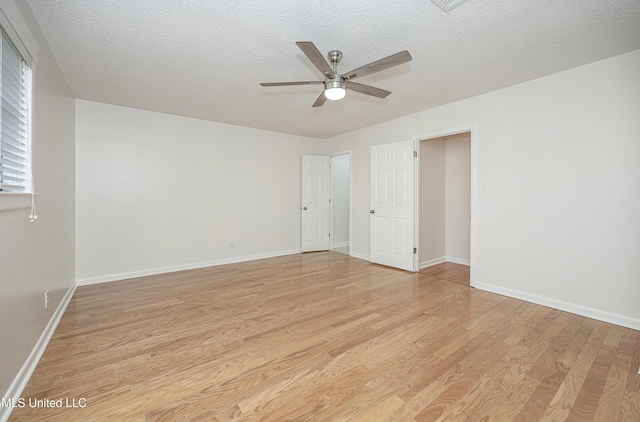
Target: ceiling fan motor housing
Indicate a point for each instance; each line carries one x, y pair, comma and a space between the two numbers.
338, 83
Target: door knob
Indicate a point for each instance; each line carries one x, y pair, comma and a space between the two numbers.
372, 212
305, 208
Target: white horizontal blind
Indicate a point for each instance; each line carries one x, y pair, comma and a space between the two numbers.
14, 120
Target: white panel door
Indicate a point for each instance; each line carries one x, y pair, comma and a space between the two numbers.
392, 205
316, 183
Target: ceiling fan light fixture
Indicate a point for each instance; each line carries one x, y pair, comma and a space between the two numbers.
335, 90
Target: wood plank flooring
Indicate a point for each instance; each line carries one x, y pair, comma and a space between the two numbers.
327, 337
449, 271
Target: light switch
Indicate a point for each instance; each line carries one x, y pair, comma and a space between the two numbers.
484, 189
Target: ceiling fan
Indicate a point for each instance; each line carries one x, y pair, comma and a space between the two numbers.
336, 84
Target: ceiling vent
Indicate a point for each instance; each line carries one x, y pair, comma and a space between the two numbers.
448, 5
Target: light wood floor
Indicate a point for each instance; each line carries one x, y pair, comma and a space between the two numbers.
327, 337
342, 249
449, 271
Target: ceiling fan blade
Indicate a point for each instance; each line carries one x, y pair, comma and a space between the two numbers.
291, 83
320, 101
368, 90
378, 65
312, 52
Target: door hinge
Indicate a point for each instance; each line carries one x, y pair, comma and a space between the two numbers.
415, 250
329, 234
415, 154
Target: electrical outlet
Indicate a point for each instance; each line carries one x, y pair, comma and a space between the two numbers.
46, 299
232, 245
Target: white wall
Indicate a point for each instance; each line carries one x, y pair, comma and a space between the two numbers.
560, 157
157, 192
35, 257
458, 197
340, 180
432, 185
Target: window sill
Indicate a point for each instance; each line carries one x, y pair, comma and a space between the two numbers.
14, 201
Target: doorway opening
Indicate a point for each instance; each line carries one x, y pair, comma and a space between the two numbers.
341, 203
444, 207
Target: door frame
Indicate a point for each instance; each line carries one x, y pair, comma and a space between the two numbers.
472, 130
336, 154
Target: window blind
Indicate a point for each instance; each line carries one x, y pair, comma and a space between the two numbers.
14, 115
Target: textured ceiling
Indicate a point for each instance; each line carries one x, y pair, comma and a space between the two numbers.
205, 59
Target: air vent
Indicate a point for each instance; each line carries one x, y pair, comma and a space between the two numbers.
448, 5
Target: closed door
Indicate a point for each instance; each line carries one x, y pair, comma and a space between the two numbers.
392, 205
316, 183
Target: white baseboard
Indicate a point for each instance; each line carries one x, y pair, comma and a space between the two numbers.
182, 267
341, 244
440, 260
360, 255
432, 262
20, 381
573, 308
460, 261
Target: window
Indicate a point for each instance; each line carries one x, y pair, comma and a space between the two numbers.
15, 83
18, 56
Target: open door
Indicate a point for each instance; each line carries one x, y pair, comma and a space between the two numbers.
392, 205
315, 207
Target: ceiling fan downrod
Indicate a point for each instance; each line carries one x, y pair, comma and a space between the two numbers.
334, 58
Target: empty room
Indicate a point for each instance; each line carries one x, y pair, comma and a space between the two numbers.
425, 210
